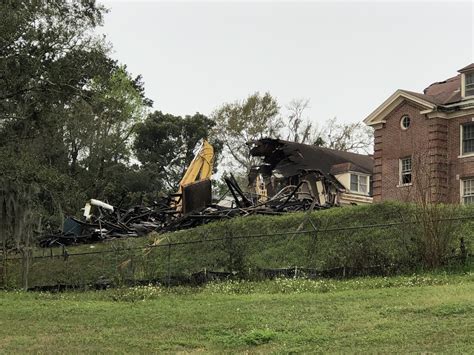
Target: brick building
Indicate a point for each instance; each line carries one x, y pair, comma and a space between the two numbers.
424, 143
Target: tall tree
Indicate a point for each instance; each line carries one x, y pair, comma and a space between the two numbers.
299, 129
67, 111
47, 53
240, 122
118, 107
47, 56
353, 137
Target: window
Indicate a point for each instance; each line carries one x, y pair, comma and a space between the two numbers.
467, 191
467, 131
359, 183
405, 171
405, 122
469, 84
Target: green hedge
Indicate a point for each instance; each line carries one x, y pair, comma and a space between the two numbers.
390, 248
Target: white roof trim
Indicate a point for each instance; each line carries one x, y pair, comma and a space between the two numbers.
379, 114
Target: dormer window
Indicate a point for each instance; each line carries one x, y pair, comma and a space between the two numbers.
467, 81
469, 84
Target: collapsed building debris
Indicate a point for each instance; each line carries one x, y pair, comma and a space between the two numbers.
323, 174
102, 221
292, 177
106, 223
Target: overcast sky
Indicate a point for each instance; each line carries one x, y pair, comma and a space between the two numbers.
346, 57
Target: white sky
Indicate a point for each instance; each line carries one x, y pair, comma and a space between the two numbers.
346, 57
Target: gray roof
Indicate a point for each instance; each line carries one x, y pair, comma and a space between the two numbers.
443, 92
467, 68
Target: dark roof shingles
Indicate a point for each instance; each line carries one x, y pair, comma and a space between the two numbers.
444, 92
289, 158
467, 68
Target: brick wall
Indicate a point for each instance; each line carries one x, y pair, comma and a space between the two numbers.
459, 168
434, 145
437, 159
377, 171
393, 143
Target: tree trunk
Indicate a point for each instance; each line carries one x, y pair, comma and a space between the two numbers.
73, 166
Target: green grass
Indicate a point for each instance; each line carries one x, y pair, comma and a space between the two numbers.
419, 313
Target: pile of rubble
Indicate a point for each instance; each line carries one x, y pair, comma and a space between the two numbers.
287, 180
108, 222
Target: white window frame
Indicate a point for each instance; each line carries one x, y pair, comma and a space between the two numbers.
359, 176
401, 173
401, 122
463, 85
463, 192
461, 132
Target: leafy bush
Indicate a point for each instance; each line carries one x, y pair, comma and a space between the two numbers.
404, 243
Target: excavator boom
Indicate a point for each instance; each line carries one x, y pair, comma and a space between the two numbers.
200, 169
201, 166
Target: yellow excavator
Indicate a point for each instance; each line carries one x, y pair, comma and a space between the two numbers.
198, 171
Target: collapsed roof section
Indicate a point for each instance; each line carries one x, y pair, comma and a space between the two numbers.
309, 170
289, 159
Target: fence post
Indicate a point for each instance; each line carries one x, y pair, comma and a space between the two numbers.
4, 268
66, 266
25, 267
230, 246
169, 265
463, 249
313, 243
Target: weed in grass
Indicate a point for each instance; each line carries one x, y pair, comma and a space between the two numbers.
301, 285
253, 337
135, 294
447, 310
259, 337
243, 287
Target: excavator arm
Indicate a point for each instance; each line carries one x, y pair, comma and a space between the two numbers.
199, 169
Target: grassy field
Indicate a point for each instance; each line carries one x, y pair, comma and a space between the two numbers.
428, 313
